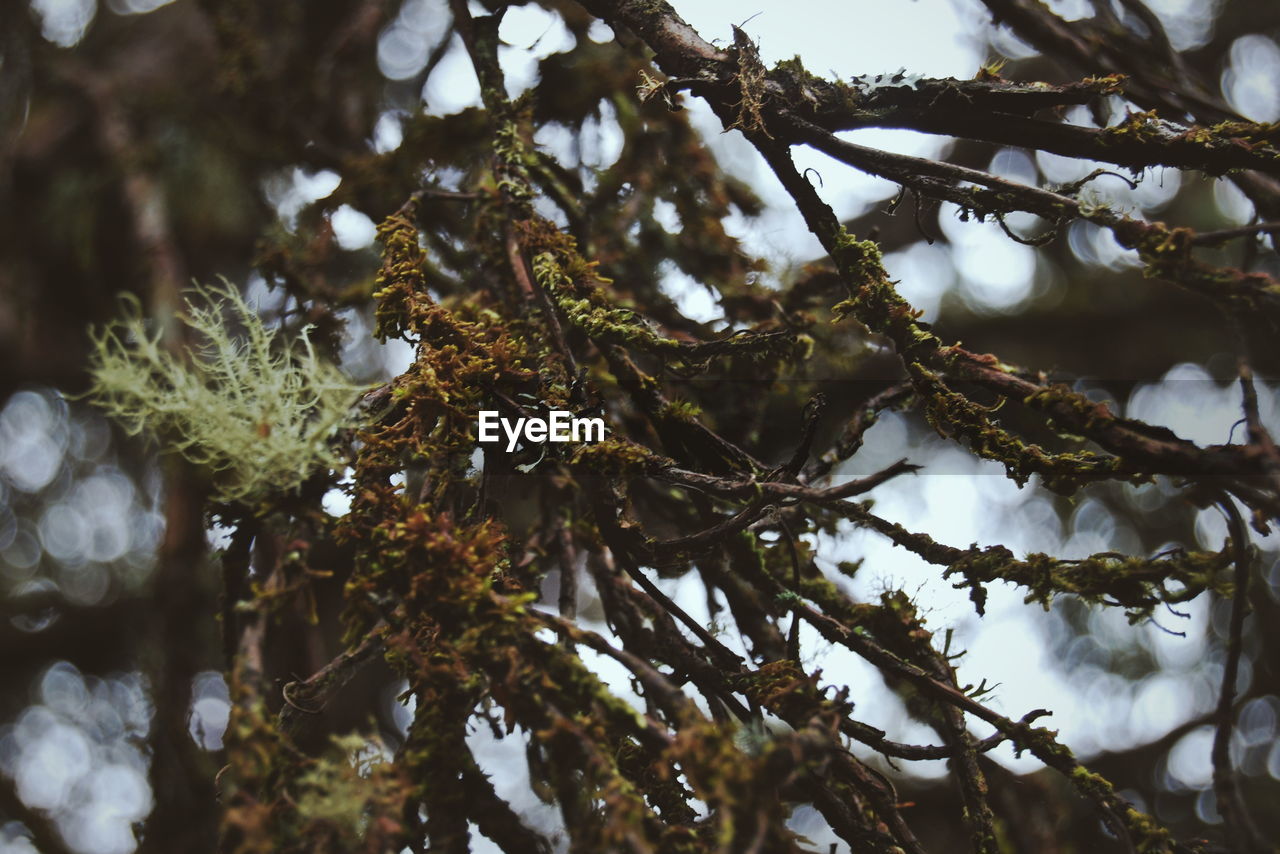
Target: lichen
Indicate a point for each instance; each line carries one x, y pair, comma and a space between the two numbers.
253, 409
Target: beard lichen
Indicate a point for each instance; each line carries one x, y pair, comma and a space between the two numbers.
254, 410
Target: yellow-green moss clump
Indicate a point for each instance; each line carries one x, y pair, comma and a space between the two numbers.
255, 410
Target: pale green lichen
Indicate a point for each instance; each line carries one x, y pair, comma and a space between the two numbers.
339, 788
256, 411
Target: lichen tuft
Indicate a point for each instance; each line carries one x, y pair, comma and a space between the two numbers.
253, 409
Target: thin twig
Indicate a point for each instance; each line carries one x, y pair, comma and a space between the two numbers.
1217, 238
1241, 830
309, 696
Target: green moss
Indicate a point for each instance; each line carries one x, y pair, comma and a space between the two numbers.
617, 457
954, 414
341, 789
1137, 584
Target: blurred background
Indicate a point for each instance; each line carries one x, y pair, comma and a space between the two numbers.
146, 144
